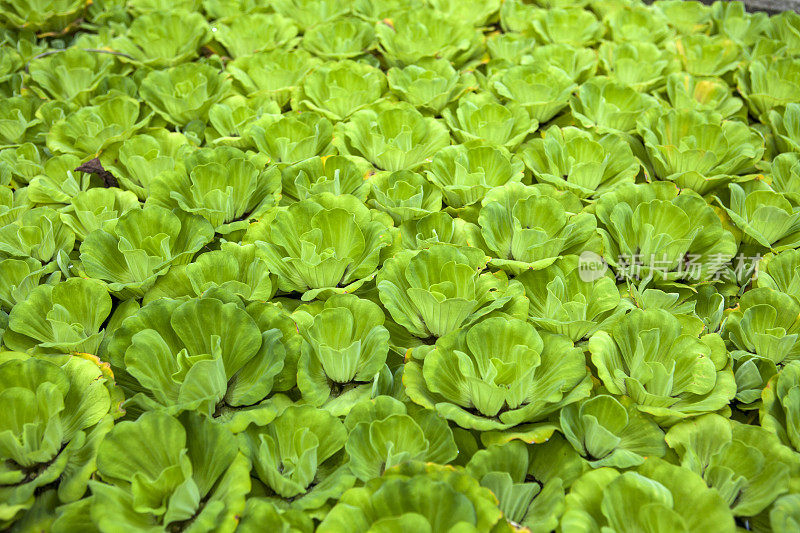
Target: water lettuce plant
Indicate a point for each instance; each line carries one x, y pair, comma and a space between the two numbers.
496, 374
392, 138
444, 266
325, 244
663, 366
58, 412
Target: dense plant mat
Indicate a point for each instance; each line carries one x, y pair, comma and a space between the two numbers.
399, 266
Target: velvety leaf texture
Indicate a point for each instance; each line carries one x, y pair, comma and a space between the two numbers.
389, 266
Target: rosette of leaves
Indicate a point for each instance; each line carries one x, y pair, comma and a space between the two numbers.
159, 39
437, 290
384, 432
136, 162
603, 105
56, 183
709, 306
765, 217
40, 15
663, 366
703, 94
224, 185
785, 173
430, 84
660, 231
38, 233
247, 34
142, 246
18, 122
310, 13
230, 120
573, 25
345, 350
574, 160
323, 245
97, 208
55, 414
733, 20
655, 496
696, 149
481, 117
476, 13
611, 432
529, 227
781, 272
197, 355
465, 173
579, 63
218, 9
506, 470
768, 84
404, 195
780, 407
424, 33
177, 472
377, 10
51, 112
688, 18
10, 77
563, 302
337, 90
763, 332
438, 227
20, 164
184, 93
111, 11
510, 48
704, 55
785, 27
543, 90
637, 23
496, 374
293, 137
88, 131
139, 7
233, 269
703, 308
747, 465
341, 38
786, 128
18, 277
416, 497
72, 75
681, 303
396, 137
12, 204
767, 49
516, 16
53, 183
261, 513
335, 174
605, 9
298, 457
273, 74
642, 66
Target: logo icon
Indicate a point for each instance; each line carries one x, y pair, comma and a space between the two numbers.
591, 266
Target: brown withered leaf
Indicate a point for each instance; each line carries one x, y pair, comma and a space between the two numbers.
94, 166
